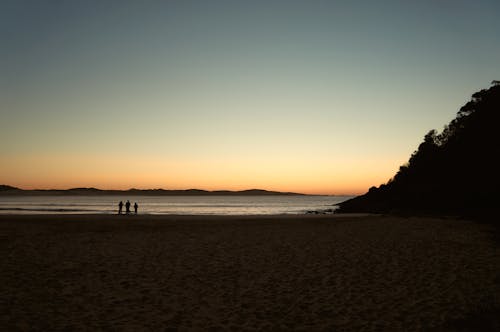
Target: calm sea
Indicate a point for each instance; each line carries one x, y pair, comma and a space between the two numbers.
199, 205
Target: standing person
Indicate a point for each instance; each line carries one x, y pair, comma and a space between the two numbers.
120, 207
127, 207
135, 207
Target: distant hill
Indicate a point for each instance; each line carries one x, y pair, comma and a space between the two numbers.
4, 187
8, 190
453, 172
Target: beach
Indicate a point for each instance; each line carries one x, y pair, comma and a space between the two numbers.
239, 273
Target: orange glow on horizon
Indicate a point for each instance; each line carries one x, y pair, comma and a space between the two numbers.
117, 172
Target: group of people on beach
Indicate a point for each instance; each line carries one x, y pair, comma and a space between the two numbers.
127, 207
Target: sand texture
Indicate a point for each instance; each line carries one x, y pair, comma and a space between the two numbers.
307, 273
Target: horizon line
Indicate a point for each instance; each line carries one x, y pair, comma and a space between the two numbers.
163, 189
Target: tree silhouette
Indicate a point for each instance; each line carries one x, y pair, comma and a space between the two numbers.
452, 172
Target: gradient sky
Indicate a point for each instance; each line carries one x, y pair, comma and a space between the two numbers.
323, 97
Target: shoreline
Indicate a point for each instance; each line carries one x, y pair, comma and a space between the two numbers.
167, 215
210, 205
165, 218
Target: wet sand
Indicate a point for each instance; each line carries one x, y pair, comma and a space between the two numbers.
273, 273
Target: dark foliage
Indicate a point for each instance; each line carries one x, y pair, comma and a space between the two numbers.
452, 172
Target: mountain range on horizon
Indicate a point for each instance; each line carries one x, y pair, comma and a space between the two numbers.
10, 190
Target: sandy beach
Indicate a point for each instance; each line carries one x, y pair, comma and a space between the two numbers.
269, 273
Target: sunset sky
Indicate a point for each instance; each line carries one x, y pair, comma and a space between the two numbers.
323, 97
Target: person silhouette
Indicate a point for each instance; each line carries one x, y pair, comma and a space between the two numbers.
135, 207
127, 207
120, 207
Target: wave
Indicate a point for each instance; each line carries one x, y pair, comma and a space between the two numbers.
56, 204
224, 205
48, 210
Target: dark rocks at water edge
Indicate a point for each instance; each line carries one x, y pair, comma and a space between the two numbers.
327, 211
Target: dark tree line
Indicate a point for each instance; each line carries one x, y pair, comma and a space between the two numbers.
452, 172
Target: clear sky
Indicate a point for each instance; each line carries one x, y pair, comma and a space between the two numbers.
309, 96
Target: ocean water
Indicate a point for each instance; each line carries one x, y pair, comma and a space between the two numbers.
193, 205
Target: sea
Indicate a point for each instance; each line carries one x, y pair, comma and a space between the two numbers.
179, 205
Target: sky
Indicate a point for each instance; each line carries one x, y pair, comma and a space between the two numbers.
319, 97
